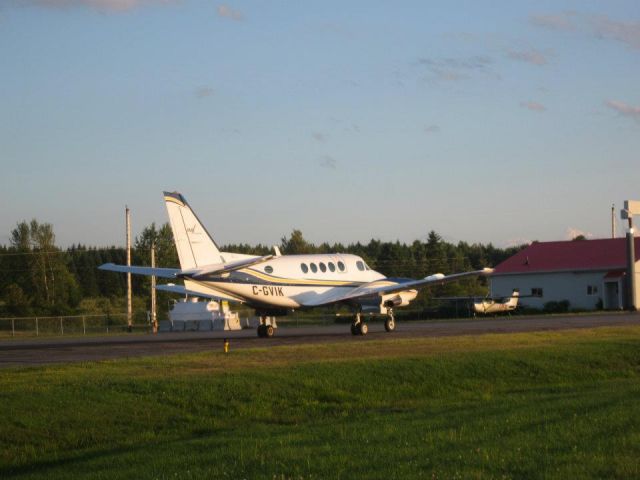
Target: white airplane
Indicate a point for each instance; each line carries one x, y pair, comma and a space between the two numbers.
276, 284
491, 305
488, 305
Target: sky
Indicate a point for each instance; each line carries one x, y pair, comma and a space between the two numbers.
486, 121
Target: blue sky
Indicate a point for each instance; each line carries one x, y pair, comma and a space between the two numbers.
485, 121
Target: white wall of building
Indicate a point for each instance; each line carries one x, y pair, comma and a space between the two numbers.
572, 286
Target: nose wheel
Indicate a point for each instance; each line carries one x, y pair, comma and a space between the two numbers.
264, 330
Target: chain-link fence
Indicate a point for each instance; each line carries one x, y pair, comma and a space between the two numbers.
69, 325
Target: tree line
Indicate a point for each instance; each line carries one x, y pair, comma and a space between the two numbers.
39, 278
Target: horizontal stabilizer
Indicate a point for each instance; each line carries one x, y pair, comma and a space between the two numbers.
220, 268
149, 271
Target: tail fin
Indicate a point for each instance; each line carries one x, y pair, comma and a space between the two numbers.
195, 246
513, 301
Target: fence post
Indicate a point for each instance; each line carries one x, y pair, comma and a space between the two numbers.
84, 326
13, 327
61, 327
37, 331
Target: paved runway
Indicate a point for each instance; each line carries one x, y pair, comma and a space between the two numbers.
41, 351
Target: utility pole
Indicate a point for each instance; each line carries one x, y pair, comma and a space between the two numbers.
613, 220
154, 316
630, 209
129, 308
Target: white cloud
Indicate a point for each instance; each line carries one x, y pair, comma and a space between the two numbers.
572, 233
320, 137
599, 26
227, 12
624, 109
113, 6
529, 56
533, 106
558, 21
625, 32
454, 69
516, 242
328, 162
204, 91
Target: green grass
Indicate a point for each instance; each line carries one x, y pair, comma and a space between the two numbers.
541, 405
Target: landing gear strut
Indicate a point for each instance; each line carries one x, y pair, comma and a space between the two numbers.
358, 327
264, 330
390, 322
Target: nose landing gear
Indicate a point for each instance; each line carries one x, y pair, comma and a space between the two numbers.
265, 330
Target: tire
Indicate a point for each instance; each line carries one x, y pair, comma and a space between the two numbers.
268, 331
261, 331
354, 329
363, 328
390, 324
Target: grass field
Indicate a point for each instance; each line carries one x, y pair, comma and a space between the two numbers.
541, 405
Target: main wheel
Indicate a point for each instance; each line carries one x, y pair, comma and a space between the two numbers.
261, 331
390, 324
269, 331
362, 328
354, 329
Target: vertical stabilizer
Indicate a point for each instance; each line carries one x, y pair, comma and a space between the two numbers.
195, 246
513, 301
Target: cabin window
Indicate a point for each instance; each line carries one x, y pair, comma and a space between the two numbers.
332, 266
304, 268
536, 292
360, 265
314, 268
323, 267
592, 290
341, 266
268, 269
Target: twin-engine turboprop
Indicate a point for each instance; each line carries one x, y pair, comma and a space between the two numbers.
275, 284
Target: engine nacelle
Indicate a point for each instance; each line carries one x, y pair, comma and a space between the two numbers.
401, 299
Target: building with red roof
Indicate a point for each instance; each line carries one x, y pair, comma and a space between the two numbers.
589, 274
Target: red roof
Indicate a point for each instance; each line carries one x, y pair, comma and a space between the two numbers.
603, 254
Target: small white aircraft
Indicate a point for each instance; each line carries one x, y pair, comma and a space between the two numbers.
491, 305
488, 305
275, 284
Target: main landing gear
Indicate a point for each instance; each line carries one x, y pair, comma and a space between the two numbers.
359, 327
265, 330
390, 322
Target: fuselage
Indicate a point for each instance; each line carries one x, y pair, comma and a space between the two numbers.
293, 281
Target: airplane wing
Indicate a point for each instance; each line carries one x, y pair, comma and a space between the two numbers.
380, 288
158, 272
467, 298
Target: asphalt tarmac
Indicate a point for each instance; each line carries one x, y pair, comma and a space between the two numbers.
42, 351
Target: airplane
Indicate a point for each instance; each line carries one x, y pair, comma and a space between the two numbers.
489, 305
276, 284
